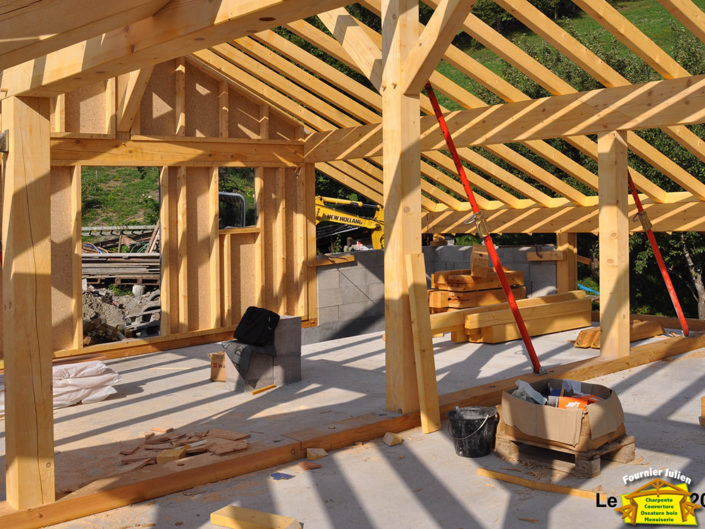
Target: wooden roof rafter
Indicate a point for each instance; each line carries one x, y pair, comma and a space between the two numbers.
603, 73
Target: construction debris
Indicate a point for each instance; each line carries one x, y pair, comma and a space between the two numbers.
172, 445
315, 453
309, 465
110, 318
392, 439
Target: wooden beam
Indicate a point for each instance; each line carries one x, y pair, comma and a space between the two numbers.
567, 268
643, 106
423, 343
130, 89
167, 222
432, 44
27, 323
614, 245
352, 36
602, 72
31, 28
216, 317
402, 199
537, 485
69, 149
682, 212
690, 15
533, 69
153, 40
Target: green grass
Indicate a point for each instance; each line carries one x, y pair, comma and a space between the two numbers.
115, 196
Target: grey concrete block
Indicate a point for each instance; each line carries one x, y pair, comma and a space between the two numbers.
287, 336
329, 297
375, 292
328, 314
355, 310
355, 276
353, 293
328, 277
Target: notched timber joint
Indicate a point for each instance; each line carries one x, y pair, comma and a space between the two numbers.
481, 227
5, 141
642, 217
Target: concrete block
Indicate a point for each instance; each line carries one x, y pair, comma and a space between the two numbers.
287, 336
329, 297
353, 293
328, 277
375, 292
328, 314
355, 310
355, 276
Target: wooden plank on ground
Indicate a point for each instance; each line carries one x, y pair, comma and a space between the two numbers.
423, 343
537, 485
447, 299
242, 518
638, 330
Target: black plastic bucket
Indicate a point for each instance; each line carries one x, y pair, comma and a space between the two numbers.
473, 430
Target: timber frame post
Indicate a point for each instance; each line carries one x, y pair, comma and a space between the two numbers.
614, 244
402, 199
27, 300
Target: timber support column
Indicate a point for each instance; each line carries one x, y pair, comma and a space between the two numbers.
614, 245
567, 268
402, 199
27, 300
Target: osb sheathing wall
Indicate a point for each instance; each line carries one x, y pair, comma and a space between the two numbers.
209, 276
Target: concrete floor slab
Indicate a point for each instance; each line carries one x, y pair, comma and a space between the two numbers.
421, 483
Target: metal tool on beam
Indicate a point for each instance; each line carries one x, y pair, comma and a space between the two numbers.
482, 229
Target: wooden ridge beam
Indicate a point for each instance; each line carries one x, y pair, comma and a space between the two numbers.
68, 149
683, 212
30, 28
648, 105
432, 44
152, 40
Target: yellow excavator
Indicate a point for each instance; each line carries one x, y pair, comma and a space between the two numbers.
375, 224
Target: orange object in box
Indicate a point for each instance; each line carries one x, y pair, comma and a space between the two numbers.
577, 402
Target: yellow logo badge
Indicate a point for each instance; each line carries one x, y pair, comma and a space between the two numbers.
659, 503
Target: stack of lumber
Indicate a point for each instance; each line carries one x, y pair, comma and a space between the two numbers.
473, 287
638, 330
495, 323
170, 446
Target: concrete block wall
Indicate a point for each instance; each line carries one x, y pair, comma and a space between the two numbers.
351, 295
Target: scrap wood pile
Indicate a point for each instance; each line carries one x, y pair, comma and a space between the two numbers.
170, 446
471, 305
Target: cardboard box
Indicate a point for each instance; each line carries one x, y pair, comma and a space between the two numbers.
571, 428
217, 366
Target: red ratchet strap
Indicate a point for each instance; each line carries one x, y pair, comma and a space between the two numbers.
483, 231
646, 224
